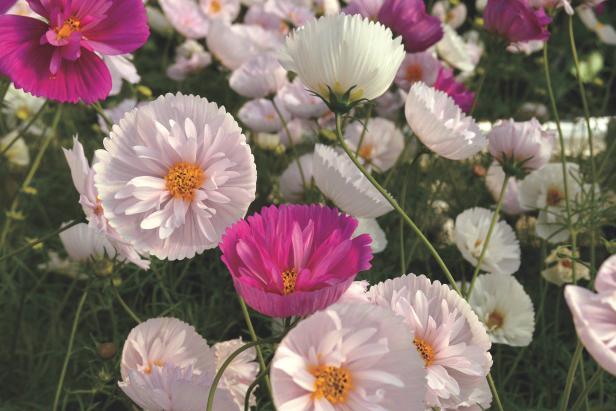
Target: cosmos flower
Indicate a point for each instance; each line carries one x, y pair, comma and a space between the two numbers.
348, 357
186, 17
115, 113
503, 253
516, 20
363, 68
18, 154
5, 5
366, 8
560, 265
299, 129
293, 260
83, 242
340, 180
453, 16
300, 102
604, 31
494, 182
122, 69
446, 82
174, 174
381, 145
441, 125
225, 10
462, 53
190, 58
290, 12
258, 77
20, 106
371, 227
451, 340
260, 115
291, 182
594, 315
167, 365
409, 19
57, 58
504, 308
240, 374
416, 67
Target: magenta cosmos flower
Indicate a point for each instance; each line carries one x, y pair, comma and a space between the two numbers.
516, 20
5, 5
409, 19
446, 82
59, 58
594, 315
293, 260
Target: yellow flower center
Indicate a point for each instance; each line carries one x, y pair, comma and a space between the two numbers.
289, 277
554, 196
495, 320
158, 363
215, 6
425, 350
413, 73
22, 113
70, 26
365, 151
332, 383
183, 179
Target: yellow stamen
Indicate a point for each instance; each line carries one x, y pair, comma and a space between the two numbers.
215, 6
289, 277
495, 320
365, 151
554, 197
183, 179
413, 73
22, 113
70, 26
332, 383
425, 350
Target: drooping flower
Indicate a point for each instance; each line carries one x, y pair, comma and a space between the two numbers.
409, 19
57, 58
521, 145
416, 67
362, 58
167, 365
190, 58
293, 260
446, 82
560, 267
261, 116
516, 20
340, 180
371, 227
441, 125
504, 308
175, 173
348, 357
447, 334
240, 374
503, 253
293, 183
381, 144
83, 242
494, 181
594, 315
300, 102
258, 77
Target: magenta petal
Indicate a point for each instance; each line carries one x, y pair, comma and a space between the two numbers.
5, 5
123, 30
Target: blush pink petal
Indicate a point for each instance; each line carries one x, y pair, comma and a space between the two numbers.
606, 276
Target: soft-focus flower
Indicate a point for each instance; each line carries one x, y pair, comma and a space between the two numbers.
371, 227
190, 58
242, 371
504, 308
511, 201
389, 104
258, 77
447, 334
186, 17
516, 20
460, 52
560, 266
267, 141
300, 102
20, 106
594, 315
503, 253
348, 357
63, 266
297, 13
356, 293
225, 10
5, 5
121, 68
409, 19
441, 125
18, 154
381, 144
158, 22
452, 16
447, 83
340, 180
356, 58
522, 145
175, 173
526, 47
366, 8
417, 67
292, 180
298, 129
256, 15
293, 260
57, 58
83, 242
115, 114
261, 116
604, 31
167, 365
83, 179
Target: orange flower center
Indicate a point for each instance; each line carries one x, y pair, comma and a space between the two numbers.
495, 320
158, 363
413, 73
554, 197
332, 383
289, 277
70, 26
183, 179
566, 263
365, 151
215, 6
425, 350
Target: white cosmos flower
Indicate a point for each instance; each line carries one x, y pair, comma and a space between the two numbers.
83, 242
300, 102
459, 52
260, 115
18, 153
240, 374
291, 183
505, 309
20, 105
340, 180
441, 125
381, 145
559, 269
121, 68
174, 174
348, 357
259, 76
225, 10
471, 229
371, 227
342, 52
605, 32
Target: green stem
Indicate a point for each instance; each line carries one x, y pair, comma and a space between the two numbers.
363, 131
25, 129
99, 109
577, 356
584, 395
395, 205
484, 249
285, 127
125, 306
251, 388
69, 351
253, 335
497, 399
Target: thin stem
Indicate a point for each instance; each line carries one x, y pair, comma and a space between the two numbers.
396, 206
125, 306
25, 129
251, 387
69, 351
285, 127
577, 356
497, 399
584, 395
476, 100
101, 112
484, 249
253, 335
363, 131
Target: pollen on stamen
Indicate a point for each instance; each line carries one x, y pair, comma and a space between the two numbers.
425, 350
289, 278
70, 26
183, 179
332, 383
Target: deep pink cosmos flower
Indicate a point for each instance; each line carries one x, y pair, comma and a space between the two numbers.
5, 5
57, 58
293, 260
446, 82
516, 20
409, 19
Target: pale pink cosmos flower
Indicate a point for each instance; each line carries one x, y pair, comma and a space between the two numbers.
115, 113
356, 293
240, 374
451, 340
293, 12
174, 174
381, 143
260, 115
186, 17
594, 315
348, 357
190, 58
256, 15
299, 129
225, 10
291, 182
422, 66
494, 182
167, 365
367, 8
301, 102
260, 76
389, 104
